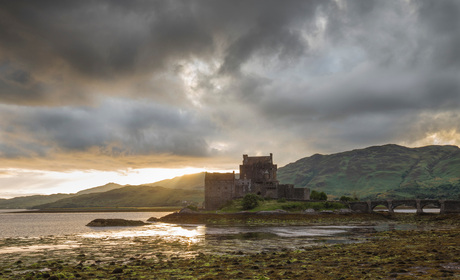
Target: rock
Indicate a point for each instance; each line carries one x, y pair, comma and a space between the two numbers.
152, 219
187, 211
309, 211
344, 211
53, 278
114, 223
117, 270
277, 211
327, 212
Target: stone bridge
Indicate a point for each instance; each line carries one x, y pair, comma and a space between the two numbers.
445, 206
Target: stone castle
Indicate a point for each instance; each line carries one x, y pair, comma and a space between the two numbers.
257, 175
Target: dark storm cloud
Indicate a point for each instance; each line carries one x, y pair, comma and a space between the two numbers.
116, 128
189, 77
108, 41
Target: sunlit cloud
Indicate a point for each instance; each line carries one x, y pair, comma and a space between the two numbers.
195, 84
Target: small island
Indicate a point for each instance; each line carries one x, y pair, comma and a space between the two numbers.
115, 223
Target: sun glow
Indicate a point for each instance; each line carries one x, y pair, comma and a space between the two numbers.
168, 232
50, 182
445, 137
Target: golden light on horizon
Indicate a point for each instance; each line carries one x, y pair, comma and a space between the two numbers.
442, 137
51, 182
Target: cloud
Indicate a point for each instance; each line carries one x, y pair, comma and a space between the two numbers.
143, 82
114, 127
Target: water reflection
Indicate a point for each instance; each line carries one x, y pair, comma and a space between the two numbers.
228, 239
160, 239
168, 232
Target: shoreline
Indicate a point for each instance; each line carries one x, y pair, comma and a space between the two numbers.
272, 218
429, 252
97, 210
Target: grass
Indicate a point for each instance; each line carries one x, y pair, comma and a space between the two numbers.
291, 206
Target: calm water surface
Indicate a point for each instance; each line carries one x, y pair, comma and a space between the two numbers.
26, 233
44, 224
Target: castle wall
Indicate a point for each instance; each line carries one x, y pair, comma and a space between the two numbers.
271, 190
242, 187
301, 193
288, 191
219, 189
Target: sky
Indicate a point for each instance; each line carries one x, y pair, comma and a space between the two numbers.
132, 92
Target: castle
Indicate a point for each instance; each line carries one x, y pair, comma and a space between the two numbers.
257, 175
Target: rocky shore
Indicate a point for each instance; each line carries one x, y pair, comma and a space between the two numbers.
433, 254
115, 223
430, 252
289, 218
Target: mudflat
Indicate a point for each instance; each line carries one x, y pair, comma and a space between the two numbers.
432, 251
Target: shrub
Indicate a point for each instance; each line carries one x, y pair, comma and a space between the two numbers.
250, 201
192, 207
345, 198
314, 195
298, 206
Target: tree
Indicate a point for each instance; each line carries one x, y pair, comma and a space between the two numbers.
314, 195
250, 201
347, 198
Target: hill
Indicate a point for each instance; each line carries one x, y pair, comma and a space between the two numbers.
24, 202
186, 182
104, 188
388, 171
129, 196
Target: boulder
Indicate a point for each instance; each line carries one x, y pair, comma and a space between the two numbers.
114, 223
309, 211
187, 211
277, 211
152, 219
344, 211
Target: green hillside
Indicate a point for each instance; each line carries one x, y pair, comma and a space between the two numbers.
388, 171
24, 202
186, 182
130, 196
193, 182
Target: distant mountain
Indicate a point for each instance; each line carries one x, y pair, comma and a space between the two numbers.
186, 182
130, 196
25, 202
104, 188
388, 171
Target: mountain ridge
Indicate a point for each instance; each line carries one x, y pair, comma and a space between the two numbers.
129, 196
378, 172
387, 171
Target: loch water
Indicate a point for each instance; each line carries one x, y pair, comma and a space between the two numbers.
28, 232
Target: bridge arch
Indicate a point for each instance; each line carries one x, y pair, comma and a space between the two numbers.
446, 206
431, 202
375, 203
407, 202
